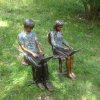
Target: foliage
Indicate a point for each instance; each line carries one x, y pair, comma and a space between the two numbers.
92, 8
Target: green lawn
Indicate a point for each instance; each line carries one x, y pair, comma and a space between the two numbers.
80, 34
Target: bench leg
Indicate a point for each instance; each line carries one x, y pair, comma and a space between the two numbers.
60, 65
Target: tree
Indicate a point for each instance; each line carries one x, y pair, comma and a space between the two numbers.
92, 8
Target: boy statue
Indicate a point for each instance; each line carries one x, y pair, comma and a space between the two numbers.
33, 54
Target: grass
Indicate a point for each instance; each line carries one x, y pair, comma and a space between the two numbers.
80, 34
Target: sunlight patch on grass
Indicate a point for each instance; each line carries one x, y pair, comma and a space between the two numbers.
1, 63
3, 23
17, 81
20, 80
88, 98
56, 83
88, 93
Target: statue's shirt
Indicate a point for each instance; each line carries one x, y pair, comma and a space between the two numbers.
57, 39
28, 40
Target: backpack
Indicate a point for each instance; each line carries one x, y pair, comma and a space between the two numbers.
49, 39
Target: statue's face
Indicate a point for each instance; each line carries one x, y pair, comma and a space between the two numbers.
28, 29
58, 28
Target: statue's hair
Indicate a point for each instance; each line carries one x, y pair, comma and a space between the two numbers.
29, 23
58, 23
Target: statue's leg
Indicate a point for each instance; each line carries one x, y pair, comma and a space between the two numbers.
45, 75
36, 70
33, 74
45, 72
69, 67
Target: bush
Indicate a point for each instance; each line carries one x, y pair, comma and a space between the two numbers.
92, 8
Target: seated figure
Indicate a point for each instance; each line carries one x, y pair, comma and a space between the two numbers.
62, 48
34, 56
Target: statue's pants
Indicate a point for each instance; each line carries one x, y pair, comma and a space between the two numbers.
40, 73
62, 52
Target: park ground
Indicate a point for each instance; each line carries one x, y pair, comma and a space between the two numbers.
79, 32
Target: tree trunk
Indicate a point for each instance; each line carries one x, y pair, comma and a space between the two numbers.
91, 11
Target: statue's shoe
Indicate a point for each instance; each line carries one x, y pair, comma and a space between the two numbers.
41, 86
70, 76
73, 75
49, 86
